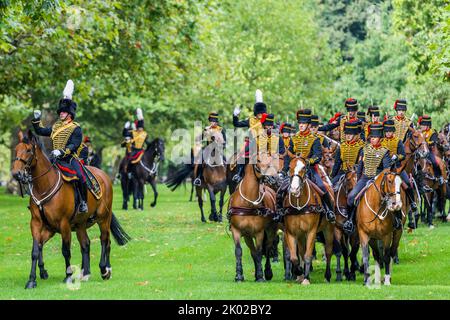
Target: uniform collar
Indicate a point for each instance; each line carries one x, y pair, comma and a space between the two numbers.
400, 118
377, 146
304, 134
353, 142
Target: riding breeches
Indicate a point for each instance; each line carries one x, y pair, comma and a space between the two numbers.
436, 168
357, 189
336, 178
75, 166
315, 177
405, 179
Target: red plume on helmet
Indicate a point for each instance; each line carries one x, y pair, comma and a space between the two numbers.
264, 117
282, 126
86, 139
420, 119
395, 104
336, 116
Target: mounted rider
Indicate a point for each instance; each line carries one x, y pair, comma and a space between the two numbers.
373, 159
211, 133
307, 146
135, 140
373, 112
254, 125
92, 158
314, 128
338, 120
349, 153
361, 115
66, 135
398, 154
402, 124
431, 137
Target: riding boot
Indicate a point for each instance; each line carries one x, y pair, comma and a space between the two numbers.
331, 217
83, 191
410, 194
349, 227
238, 176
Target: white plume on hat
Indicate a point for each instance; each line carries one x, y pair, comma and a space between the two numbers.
68, 90
258, 96
139, 114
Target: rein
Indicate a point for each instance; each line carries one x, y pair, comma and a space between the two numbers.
297, 207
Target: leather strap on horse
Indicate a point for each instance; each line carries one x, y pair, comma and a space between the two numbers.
241, 211
316, 187
308, 209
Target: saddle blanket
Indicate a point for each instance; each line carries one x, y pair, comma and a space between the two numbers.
70, 175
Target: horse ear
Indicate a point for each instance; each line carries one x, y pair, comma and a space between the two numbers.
20, 135
31, 137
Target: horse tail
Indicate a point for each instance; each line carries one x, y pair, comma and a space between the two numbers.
118, 233
179, 176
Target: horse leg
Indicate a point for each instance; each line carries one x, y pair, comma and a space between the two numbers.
290, 244
221, 201
364, 239
105, 241
269, 242
354, 265
238, 254
259, 239
141, 194
192, 192
135, 194
212, 199
35, 231
200, 203
337, 244
310, 240
45, 235
125, 194
395, 243
287, 262
155, 192
329, 239
66, 235
430, 211
387, 241
85, 246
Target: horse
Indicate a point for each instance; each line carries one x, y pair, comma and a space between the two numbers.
214, 181
375, 217
343, 241
144, 171
444, 149
250, 214
302, 221
52, 208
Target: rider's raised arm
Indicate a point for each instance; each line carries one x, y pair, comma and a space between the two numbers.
74, 141
40, 129
330, 126
240, 124
337, 163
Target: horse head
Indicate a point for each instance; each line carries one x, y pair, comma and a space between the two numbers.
418, 144
157, 148
351, 178
25, 157
297, 170
391, 190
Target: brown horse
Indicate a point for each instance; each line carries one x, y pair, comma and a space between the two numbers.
303, 221
52, 207
250, 213
374, 220
444, 148
343, 242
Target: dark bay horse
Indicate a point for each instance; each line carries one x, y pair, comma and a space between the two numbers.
214, 180
374, 220
302, 222
144, 171
250, 213
52, 204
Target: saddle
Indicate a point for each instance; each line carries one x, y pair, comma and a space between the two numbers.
69, 175
135, 158
361, 193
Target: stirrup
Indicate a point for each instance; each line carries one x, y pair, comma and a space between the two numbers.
197, 182
331, 217
348, 227
83, 208
236, 178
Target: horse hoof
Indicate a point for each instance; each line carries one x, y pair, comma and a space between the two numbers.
305, 282
107, 274
239, 278
85, 277
275, 260
339, 277
387, 280
153, 205
31, 285
396, 260
203, 220
68, 279
43, 275
300, 279
260, 280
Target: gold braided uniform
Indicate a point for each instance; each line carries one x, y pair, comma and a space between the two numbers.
209, 132
349, 154
392, 145
372, 159
286, 141
427, 135
303, 144
61, 133
342, 122
402, 125
138, 139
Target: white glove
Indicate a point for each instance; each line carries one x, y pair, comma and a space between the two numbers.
236, 111
56, 153
394, 157
37, 114
127, 139
127, 125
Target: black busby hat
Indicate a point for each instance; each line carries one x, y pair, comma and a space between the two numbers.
267, 119
260, 106
361, 115
388, 125
351, 104
213, 117
425, 120
352, 127
286, 127
314, 120
376, 130
304, 116
373, 111
400, 105
66, 104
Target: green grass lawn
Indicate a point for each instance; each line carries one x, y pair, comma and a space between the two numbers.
173, 255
